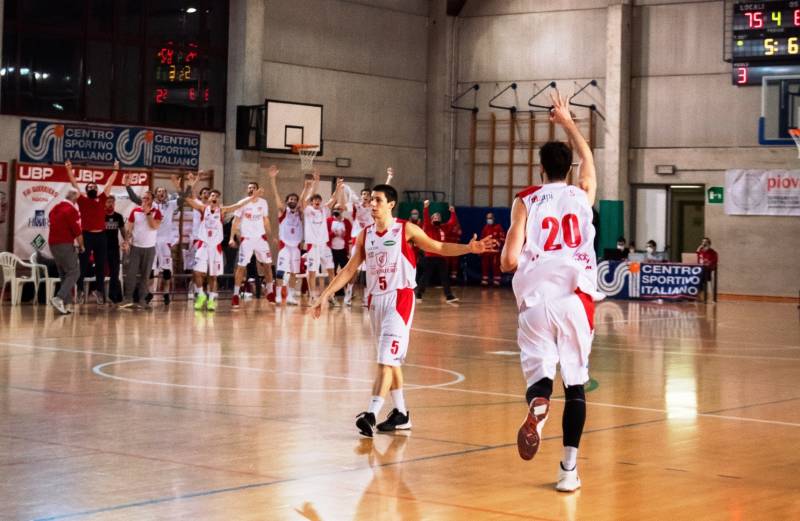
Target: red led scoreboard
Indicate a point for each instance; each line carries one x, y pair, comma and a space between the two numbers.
181, 75
766, 40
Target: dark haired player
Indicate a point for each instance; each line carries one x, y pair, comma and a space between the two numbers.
386, 247
550, 246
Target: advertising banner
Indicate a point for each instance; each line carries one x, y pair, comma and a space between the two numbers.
55, 142
40, 187
634, 280
762, 192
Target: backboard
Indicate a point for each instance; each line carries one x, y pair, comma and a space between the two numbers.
780, 109
290, 123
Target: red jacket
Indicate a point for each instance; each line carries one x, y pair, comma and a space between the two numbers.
496, 231
348, 231
65, 224
442, 233
707, 258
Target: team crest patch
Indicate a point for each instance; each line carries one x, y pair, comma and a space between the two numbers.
381, 259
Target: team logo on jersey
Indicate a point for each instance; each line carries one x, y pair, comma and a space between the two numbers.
381, 259
389, 243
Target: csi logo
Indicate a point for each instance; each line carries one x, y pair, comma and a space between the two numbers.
39, 220
381, 259
37, 173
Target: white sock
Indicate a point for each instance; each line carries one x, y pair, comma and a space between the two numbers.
375, 405
199, 291
399, 401
348, 292
236, 290
212, 295
570, 458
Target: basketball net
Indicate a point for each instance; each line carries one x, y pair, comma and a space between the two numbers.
307, 154
795, 133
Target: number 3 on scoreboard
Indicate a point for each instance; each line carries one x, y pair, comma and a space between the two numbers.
570, 231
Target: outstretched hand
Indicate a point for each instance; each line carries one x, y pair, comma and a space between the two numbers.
485, 245
272, 171
559, 114
318, 306
426, 203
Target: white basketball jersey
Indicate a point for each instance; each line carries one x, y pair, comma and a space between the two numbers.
251, 219
362, 218
197, 219
167, 231
290, 231
391, 262
316, 225
558, 257
211, 226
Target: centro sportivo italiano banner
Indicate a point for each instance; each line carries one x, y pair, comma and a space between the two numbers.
40, 187
634, 280
762, 192
53, 143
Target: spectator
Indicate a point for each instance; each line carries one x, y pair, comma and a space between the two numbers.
92, 210
436, 264
414, 219
65, 232
452, 231
490, 262
115, 225
708, 257
651, 254
141, 231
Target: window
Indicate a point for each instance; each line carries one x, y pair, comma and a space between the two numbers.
149, 62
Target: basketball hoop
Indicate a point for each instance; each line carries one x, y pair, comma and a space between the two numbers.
307, 154
795, 133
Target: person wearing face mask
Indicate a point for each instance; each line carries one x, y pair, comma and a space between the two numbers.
708, 257
339, 231
93, 225
65, 232
651, 254
436, 265
490, 262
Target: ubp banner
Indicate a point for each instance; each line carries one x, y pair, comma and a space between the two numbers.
634, 280
762, 192
39, 188
55, 142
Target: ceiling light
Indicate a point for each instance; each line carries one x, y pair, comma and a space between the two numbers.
191, 10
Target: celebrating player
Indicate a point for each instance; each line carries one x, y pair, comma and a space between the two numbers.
550, 245
290, 235
391, 273
251, 223
318, 252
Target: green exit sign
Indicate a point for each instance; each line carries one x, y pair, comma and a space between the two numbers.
715, 195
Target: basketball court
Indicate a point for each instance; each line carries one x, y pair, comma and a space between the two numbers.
692, 414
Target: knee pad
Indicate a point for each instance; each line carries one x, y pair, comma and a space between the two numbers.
166, 274
543, 388
575, 392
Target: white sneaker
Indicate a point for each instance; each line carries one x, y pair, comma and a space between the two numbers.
278, 294
59, 305
348, 301
292, 301
568, 480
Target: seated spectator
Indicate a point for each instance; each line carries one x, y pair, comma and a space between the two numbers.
652, 254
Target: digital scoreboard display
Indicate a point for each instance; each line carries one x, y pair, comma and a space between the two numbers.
766, 35
181, 72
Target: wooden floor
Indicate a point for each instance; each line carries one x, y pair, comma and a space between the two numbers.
694, 413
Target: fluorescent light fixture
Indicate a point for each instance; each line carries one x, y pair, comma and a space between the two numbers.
191, 10
58, 106
24, 71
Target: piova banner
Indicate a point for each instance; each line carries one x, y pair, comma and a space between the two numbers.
634, 280
40, 187
55, 142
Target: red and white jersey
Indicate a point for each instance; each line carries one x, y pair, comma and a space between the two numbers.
210, 231
316, 225
290, 231
143, 236
197, 218
362, 218
391, 262
168, 231
558, 257
251, 219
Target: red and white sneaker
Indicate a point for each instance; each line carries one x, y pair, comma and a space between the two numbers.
235, 301
529, 436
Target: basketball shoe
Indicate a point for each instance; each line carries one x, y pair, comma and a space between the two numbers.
396, 421
529, 436
366, 424
568, 480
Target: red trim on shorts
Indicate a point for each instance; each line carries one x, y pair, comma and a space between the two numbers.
588, 306
265, 237
528, 191
408, 250
219, 247
405, 303
369, 302
281, 245
308, 247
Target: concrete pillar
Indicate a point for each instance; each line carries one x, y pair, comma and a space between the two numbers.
613, 183
440, 147
245, 87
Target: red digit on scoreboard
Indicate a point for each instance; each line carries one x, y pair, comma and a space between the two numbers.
797, 17
192, 94
161, 95
741, 75
755, 19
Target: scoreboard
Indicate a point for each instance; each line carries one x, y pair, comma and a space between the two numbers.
181, 75
766, 40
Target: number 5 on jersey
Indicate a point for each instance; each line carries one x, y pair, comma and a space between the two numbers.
569, 228
395, 347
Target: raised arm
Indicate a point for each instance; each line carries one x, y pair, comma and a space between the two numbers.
453, 221
71, 175
341, 279
135, 199
336, 195
272, 173
515, 239
560, 115
112, 179
448, 249
306, 194
389, 175
426, 215
242, 202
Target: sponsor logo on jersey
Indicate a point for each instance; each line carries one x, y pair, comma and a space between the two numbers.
389, 243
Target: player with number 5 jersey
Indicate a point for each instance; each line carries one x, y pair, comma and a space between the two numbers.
550, 247
386, 246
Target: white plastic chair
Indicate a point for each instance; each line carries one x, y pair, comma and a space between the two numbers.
9, 263
44, 276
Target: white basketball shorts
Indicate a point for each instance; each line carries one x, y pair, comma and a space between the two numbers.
557, 331
258, 245
289, 259
391, 315
318, 258
208, 258
163, 259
